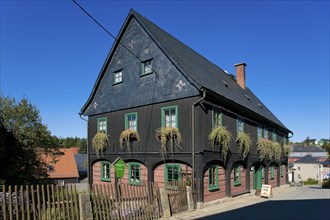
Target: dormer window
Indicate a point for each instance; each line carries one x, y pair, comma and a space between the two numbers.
146, 67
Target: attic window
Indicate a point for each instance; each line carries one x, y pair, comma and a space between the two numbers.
225, 83
146, 67
259, 105
118, 77
248, 97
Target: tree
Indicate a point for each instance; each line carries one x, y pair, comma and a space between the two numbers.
23, 138
326, 147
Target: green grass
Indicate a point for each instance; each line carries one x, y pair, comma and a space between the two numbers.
311, 182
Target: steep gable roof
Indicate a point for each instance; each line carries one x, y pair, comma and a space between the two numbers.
198, 70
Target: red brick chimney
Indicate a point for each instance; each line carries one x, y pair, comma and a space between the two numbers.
240, 74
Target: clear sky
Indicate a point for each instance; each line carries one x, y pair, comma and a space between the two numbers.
51, 53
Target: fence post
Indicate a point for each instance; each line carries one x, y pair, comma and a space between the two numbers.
165, 203
190, 199
85, 205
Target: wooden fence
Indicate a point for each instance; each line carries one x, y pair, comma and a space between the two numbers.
126, 201
177, 194
39, 202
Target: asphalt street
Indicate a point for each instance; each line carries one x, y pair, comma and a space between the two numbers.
303, 203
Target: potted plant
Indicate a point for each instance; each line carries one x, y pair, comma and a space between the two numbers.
264, 147
168, 137
276, 149
100, 142
127, 137
244, 141
219, 138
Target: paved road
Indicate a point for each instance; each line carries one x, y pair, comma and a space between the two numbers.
304, 203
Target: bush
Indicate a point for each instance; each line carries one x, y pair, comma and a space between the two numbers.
326, 184
311, 181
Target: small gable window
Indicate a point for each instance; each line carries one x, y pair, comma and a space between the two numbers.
118, 77
102, 125
146, 67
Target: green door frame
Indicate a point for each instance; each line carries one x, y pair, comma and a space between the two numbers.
257, 177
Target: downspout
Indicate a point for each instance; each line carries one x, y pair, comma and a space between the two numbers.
193, 132
87, 141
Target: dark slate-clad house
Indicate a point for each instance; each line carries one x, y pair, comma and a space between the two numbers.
150, 80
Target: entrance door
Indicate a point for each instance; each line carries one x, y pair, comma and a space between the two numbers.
257, 177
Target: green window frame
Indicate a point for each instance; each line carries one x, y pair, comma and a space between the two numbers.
240, 125
213, 178
169, 117
105, 171
131, 121
102, 125
172, 173
281, 170
266, 133
117, 77
146, 67
274, 135
272, 172
134, 173
216, 119
259, 132
237, 175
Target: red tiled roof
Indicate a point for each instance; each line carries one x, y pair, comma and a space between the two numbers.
64, 166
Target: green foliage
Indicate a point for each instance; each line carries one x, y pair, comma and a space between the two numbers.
244, 141
168, 137
219, 138
264, 147
23, 137
326, 147
100, 142
326, 184
276, 149
286, 150
311, 181
127, 137
70, 142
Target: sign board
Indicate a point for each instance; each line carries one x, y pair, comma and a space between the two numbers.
119, 165
266, 191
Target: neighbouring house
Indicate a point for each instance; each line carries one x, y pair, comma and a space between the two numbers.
323, 141
63, 169
157, 101
299, 151
309, 167
81, 162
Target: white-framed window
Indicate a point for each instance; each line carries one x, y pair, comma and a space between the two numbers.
131, 121
102, 125
146, 67
169, 117
240, 125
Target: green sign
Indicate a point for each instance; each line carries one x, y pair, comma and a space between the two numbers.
119, 167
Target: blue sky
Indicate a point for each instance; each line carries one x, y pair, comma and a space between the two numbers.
51, 53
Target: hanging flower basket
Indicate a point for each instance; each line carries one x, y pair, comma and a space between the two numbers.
244, 141
220, 138
276, 149
264, 147
100, 142
286, 150
127, 137
168, 137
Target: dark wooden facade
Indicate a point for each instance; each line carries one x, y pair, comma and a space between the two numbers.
168, 85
